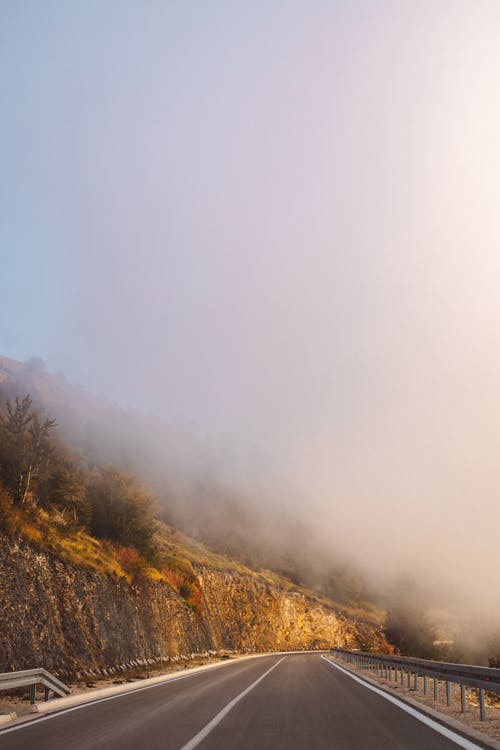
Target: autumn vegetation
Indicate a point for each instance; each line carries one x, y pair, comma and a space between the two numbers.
101, 490
53, 497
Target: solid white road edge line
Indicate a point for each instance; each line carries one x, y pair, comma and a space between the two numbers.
55, 714
448, 733
195, 741
167, 681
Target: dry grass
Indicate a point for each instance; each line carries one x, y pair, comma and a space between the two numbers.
182, 558
194, 555
42, 531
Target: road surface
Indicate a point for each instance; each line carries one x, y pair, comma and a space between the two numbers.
296, 702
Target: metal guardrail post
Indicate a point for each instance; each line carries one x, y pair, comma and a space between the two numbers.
31, 678
482, 707
480, 678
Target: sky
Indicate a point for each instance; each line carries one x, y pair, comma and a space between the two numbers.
277, 225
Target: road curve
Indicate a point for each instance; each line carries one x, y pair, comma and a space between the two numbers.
299, 702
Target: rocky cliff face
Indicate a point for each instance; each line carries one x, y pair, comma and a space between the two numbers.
73, 621
243, 612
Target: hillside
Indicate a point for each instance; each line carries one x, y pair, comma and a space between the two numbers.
189, 493
76, 622
92, 580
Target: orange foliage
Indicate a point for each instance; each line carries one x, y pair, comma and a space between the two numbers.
131, 561
186, 585
194, 600
38, 528
172, 578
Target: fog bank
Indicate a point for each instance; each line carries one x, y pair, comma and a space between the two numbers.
276, 229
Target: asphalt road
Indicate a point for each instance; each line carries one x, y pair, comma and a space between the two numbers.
296, 702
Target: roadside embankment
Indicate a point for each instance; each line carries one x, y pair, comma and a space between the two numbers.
79, 624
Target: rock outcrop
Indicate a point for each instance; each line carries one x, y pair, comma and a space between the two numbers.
73, 621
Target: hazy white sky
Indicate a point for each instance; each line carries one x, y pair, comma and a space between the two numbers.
277, 222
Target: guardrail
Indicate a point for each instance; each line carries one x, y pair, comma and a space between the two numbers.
397, 668
31, 678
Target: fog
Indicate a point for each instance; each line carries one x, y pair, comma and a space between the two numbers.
275, 227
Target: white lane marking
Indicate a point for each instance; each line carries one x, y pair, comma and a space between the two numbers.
448, 733
30, 723
195, 741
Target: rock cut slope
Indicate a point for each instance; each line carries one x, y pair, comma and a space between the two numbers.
74, 621
69, 605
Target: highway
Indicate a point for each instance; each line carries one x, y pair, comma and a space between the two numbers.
292, 702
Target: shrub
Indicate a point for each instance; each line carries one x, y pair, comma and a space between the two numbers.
185, 583
122, 511
131, 561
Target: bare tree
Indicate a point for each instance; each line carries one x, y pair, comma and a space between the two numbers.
25, 448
